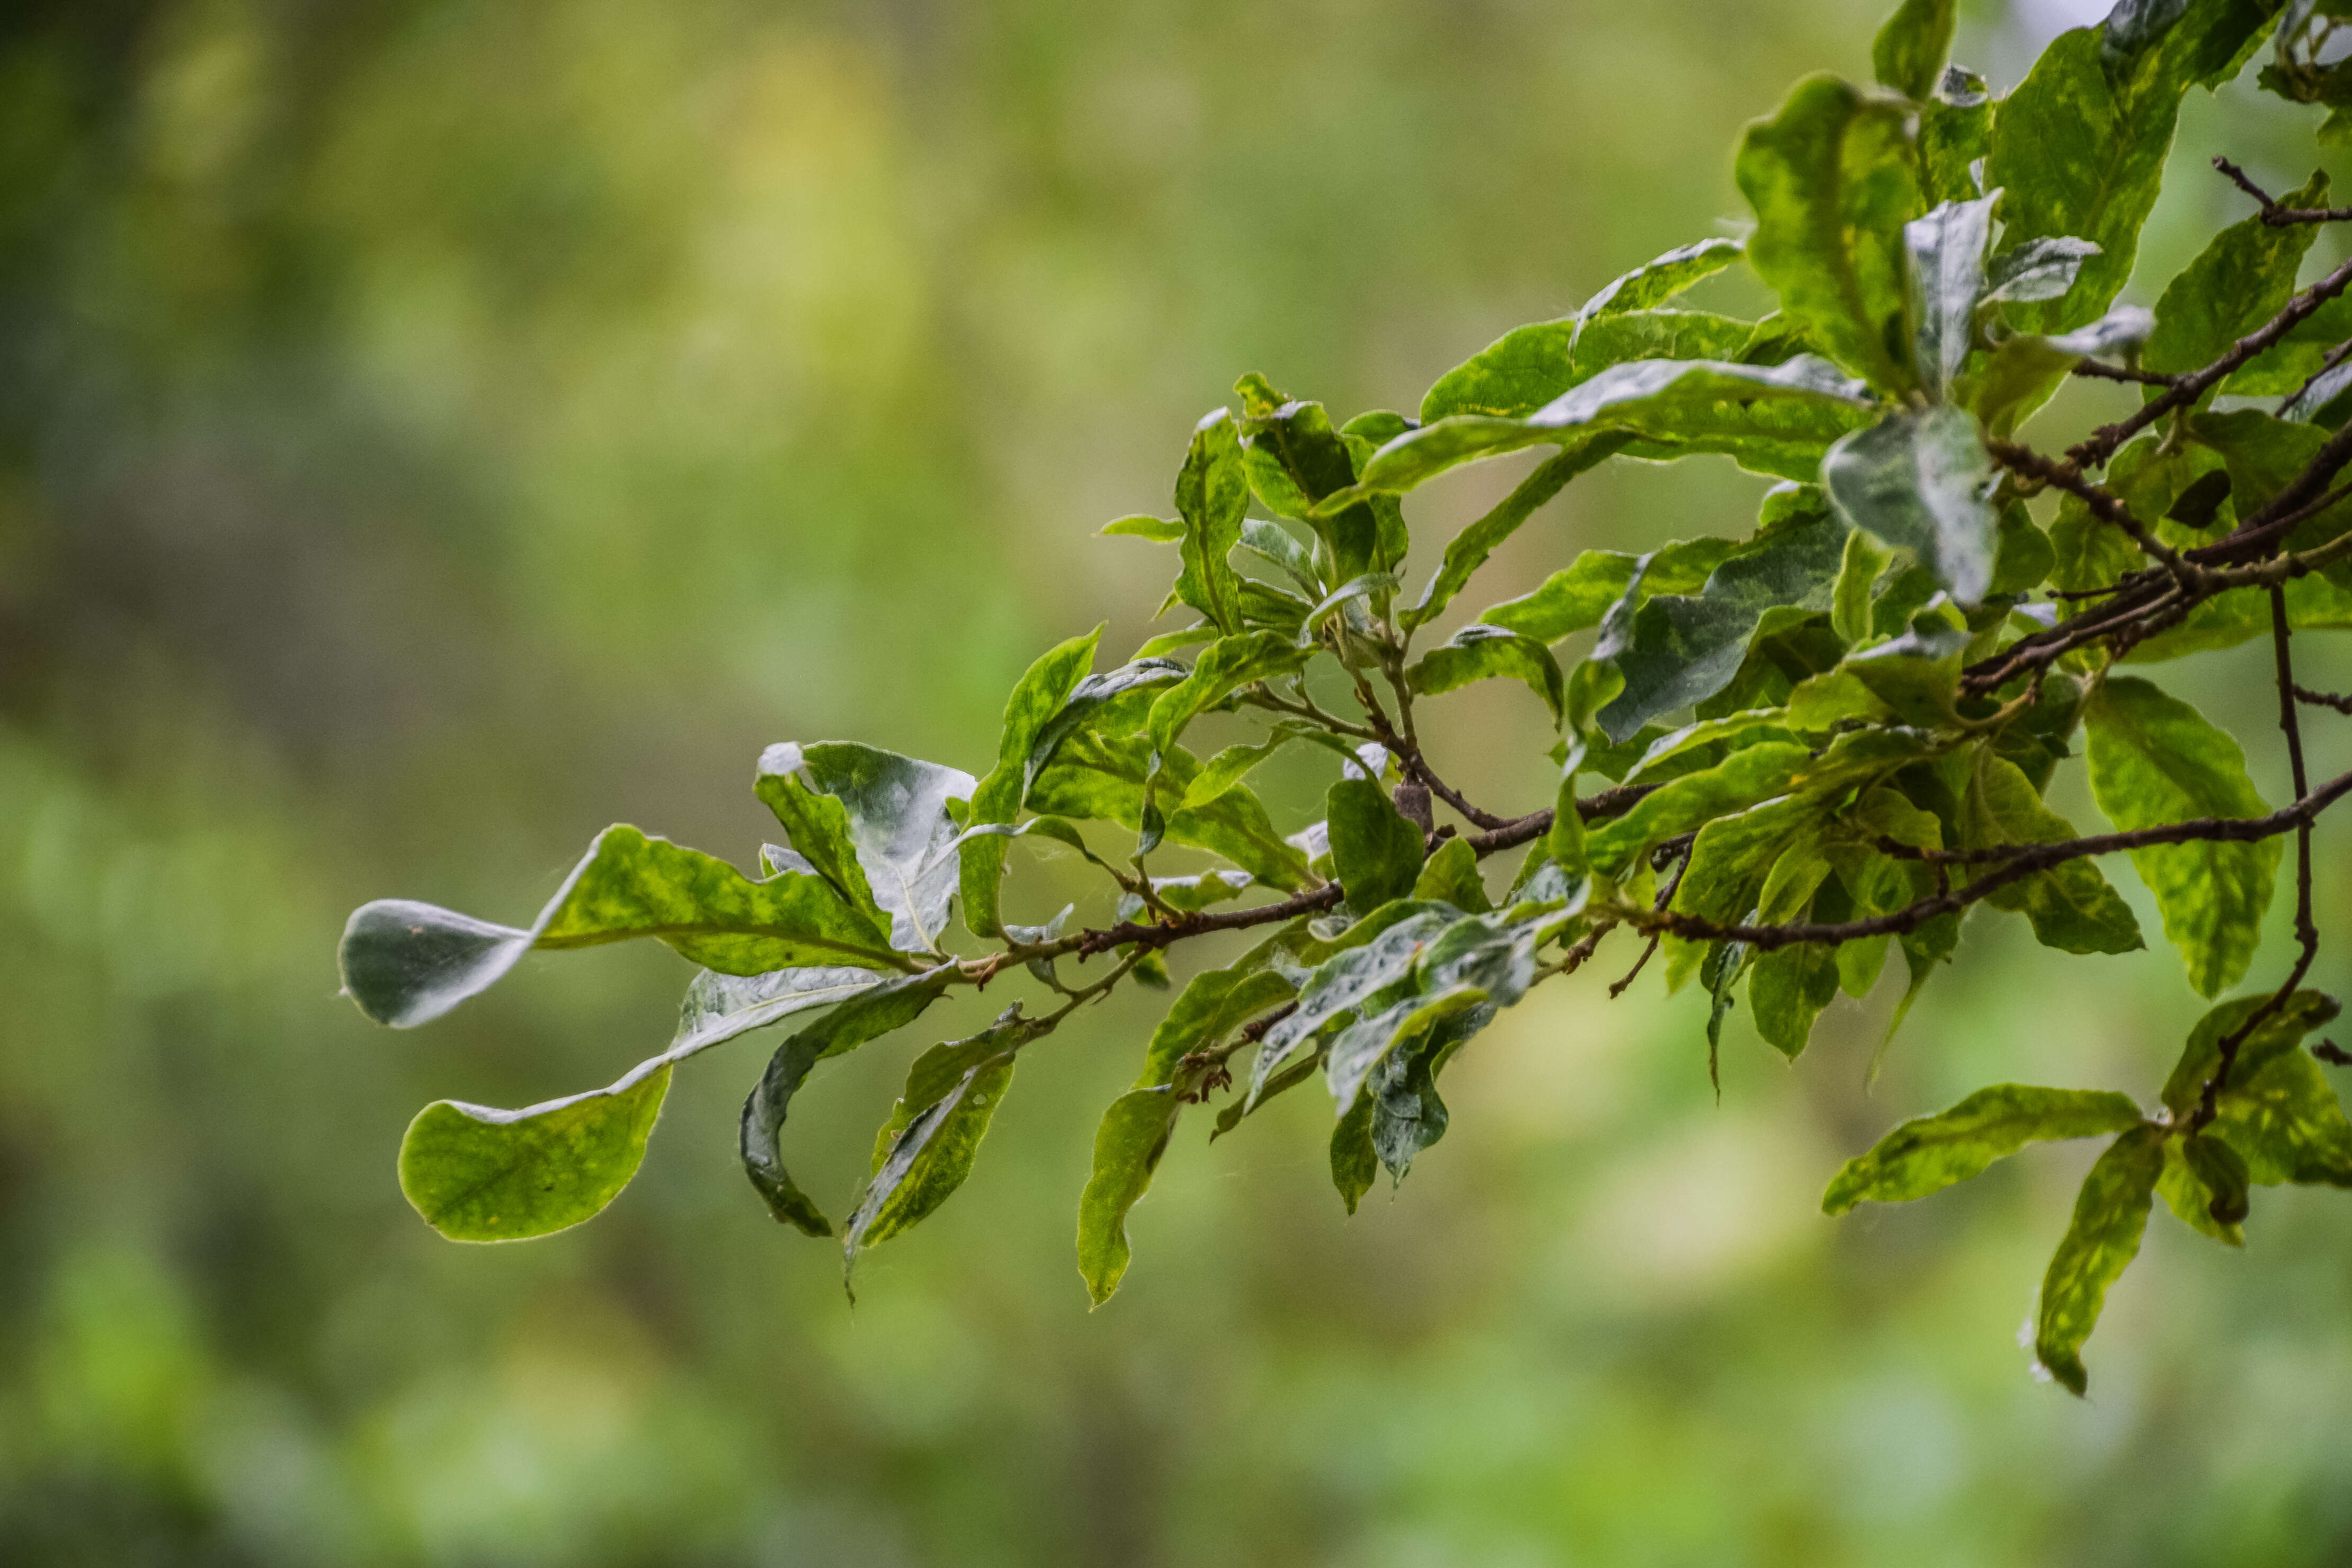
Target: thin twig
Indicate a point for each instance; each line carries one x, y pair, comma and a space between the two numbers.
2323, 699
2274, 214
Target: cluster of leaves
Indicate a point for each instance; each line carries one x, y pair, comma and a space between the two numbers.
1812, 746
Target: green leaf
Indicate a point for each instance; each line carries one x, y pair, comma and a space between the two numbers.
1229, 766
1230, 664
1572, 599
2071, 905
2278, 1035
1157, 530
927, 1148
2190, 1195
1371, 588
1528, 366
1376, 852
1689, 802
2081, 144
1771, 419
1932, 1152
1865, 561
1355, 1161
1654, 282
1945, 250
1170, 642
1787, 990
1832, 179
2156, 760
2286, 1120
1920, 482
870, 1014
405, 963
1101, 776
2263, 455
1375, 953
1044, 691
2110, 1214
1675, 651
479, 1174
2236, 284
1276, 544
1451, 877
896, 812
2022, 373
1954, 131
1133, 1136
1908, 53
1293, 442
1479, 652
1114, 703
1467, 551
1211, 495
2038, 269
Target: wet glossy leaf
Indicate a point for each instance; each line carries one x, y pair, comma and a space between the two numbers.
1945, 250
1451, 875
1298, 461
1932, 1152
1101, 776
1654, 282
1920, 482
927, 1148
1377, 953
2155, 759
1042, 692
405, 962
479, 1174
2110, 1214
899, 824
869, 1014
1832, 179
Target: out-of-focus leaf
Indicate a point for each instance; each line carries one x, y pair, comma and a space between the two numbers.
1376, 852
2278, 1035
897, 811
927, 1148
1865, 561
2236, 284
1480, 652
405, 962
1832, 179
1157, 530
2156, 760
1908, 53
2022, 374
1932, 1152
870, 1014
1954, 131
2080, 145
1211, 496
2071, 905
479, 1174
2285, 1119
2110, 1214
1920, 482
2038, 269
1044, 690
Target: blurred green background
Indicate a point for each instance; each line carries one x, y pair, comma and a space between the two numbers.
431, 430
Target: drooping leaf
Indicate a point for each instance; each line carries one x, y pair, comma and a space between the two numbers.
896, 809
479, 1174
1043, 692
2110, 1214
1932, 1152
405, 962
1480, 652
871, 1013
1376, 953
1908, 53
2156, 760
1376, 852
927, 1148
2071, 905
1832, 179
1920, 482
1230, 664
